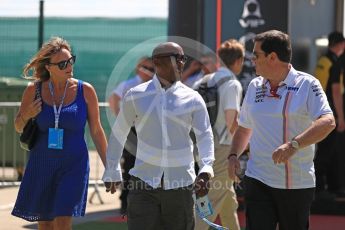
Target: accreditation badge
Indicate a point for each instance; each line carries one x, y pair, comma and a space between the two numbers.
204, 207
55, 138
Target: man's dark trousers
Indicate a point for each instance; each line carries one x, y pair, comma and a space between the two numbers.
157, 209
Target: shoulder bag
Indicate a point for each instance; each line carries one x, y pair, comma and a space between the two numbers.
28, 136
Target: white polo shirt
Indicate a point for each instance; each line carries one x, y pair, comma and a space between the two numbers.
163, 120
230, 95
276, 120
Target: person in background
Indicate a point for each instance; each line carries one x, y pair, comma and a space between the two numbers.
284, 113
329, 71
163, 112
145, 71
223, 198
209, 63
199, 68
55, 182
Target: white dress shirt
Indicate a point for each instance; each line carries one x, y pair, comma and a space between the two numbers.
163, 120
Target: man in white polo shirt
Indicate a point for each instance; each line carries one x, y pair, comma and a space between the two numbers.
284, 113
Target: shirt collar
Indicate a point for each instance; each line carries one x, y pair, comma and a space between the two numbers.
223, 72
223, 69
158, 85
289, 80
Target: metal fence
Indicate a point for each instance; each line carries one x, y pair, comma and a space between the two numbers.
12, 157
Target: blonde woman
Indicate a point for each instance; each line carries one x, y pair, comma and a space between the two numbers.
54, 186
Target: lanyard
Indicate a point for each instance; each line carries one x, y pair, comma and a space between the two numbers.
213, 225
209, 223
57, 112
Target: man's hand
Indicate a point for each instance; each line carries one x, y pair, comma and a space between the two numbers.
111, 186
283, 153
194, 66
201, 184
233, 167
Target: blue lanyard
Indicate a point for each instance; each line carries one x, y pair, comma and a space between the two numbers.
213, 225
209, 223
57, 111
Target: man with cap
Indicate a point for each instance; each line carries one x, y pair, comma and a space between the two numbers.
163, 111
329, 73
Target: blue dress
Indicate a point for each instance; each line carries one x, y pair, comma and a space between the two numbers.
55, 181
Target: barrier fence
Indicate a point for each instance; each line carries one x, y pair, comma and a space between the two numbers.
12, 157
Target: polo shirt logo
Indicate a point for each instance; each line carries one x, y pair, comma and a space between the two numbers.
317, 90
260, 94
290, 88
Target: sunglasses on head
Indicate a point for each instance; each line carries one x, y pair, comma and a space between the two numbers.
63, 64
179, 57
151, 69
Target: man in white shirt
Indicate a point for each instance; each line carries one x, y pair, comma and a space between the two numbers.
144, 72
222, 194
284, 113
163, 112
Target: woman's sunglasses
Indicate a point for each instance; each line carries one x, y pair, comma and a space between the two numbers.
63, 64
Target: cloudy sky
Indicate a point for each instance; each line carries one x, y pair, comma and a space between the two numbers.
86, 8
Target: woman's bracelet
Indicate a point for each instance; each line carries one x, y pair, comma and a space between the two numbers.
231, 155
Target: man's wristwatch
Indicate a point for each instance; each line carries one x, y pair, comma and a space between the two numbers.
294, 144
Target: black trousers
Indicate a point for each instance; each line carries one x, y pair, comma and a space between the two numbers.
158, 209
267, 207
326, 164
340, 148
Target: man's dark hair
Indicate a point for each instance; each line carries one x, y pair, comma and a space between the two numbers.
335, 38
275, 41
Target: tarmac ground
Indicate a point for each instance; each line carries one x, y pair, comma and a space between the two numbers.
94, 210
